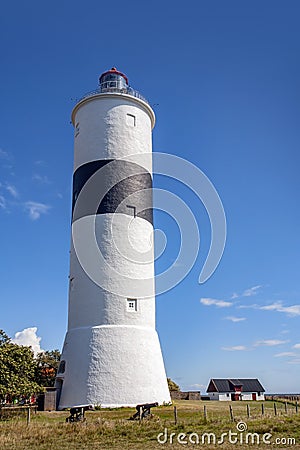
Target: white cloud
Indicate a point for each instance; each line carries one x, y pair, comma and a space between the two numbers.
251, 291
294, 361
296, 346
293, 310
28, 338
235, 319
283, 354
36, 209
269, 342
235, 348
4, 154
40, 162
272, 307
218, 303
2, 202
43, 179
254, 306
12, 190
6, 159
197, 386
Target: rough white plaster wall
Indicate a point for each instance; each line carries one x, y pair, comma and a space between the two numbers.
104, 132
89, 303
113, 356
248, 396
125, 367
224, 398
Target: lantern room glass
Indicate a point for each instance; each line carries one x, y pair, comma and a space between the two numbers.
111, 81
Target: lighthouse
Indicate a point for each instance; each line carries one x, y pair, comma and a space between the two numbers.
111, 354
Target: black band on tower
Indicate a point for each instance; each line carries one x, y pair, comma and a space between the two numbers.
110, 183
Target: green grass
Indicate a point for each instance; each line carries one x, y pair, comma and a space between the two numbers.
110, 429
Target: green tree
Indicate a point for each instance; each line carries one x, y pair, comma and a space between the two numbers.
17, 369
46, 367
172, 385
3, 338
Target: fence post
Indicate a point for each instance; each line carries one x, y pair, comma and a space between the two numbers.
175, 415
140, 413
275, 409
205, 412
262, 409
248, 411
296, 406
285, 407
28, 415
231, 413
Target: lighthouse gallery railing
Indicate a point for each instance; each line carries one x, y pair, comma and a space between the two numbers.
107, 87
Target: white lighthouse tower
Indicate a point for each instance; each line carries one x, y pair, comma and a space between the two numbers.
111, 355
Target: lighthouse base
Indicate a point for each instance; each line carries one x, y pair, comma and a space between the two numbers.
112, 366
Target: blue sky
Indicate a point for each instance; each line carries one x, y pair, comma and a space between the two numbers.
223, 79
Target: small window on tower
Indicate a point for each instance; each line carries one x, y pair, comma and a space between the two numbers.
131, 304
132, 209
77, 129
71, 284
130, 119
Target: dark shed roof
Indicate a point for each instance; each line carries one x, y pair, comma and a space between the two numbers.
227, 385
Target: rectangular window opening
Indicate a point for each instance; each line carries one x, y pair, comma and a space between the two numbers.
132, 209
131, 304
131, 120
77, 131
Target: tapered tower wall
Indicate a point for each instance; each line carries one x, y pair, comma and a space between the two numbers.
112, 355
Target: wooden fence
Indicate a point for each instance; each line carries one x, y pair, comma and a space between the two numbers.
7, 412
286, 409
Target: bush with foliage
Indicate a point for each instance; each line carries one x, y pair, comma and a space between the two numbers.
17, 369
172, 385
21, 374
